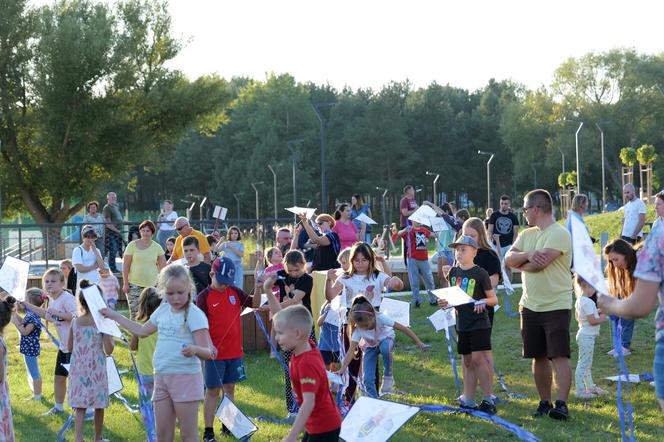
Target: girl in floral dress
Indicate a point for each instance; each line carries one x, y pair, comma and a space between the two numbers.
88, 383
6, 425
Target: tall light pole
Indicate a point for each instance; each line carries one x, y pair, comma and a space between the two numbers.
578, 169
435, 195
323, 180
274, 175
384, 205
291, 147
601, 137
237, 200
488, 176
563, 155
258, 224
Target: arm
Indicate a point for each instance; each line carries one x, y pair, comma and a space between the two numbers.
332, 286
126, 266
64, 316
24, 331
594, 320
70, 340
489, 231
515, 258
296, 237
411, 334
108, 344
491, 299
321, 240
133, 345
140, 330
2, 365
495, 278
272, 301
109, 225
515, 233
349, 357
207, 257
161, 262
321, 318
362, 233
296, 299
202, 348
385, 266
237, 251
639, 305
639, 225
540, 259
307, 406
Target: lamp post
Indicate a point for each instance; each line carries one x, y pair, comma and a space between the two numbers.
532, 165
291, 147
563, 155
384, 190
488, 176
435, 195
257, 213
601, 137
578, 169
237, 200
274, 175
323, 182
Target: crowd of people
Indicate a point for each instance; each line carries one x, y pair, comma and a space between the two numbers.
185, 293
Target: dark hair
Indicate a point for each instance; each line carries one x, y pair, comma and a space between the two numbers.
407, 188
170, 239
237, 229
361, 312
364, 249
621, 281
211, 240
340, 209
148, 302
660, 195
463, 213
7, 306
149, 224
446, 208
268, 255
359, 201
169, 202
81, 299
191, 240
87, 206
505, 198
540, 198
294, 257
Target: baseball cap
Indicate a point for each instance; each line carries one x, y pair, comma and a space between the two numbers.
88, 229
224, 271
463, 241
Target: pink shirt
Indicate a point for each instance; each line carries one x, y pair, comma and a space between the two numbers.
275, 268
347, 233
65, 303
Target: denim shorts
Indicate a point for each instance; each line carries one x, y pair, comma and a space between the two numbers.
223, 372
658, 369
32, 364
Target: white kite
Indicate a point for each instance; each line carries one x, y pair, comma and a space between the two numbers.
364, 219
375, 420
300, 210
454, 295
586, 263
438, 224
115, 384
14, 277
443, 319
233, 419
95, 303
219, 212
399, 311
423, 215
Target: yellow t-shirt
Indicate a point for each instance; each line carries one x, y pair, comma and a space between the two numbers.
550, 289
143, 271
203, 245
145, 353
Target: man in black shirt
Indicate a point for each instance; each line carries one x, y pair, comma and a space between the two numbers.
504, 226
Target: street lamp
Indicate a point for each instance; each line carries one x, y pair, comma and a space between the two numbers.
576, 142
563, 155
258, 183
291, 147
488, 176
435, 195
532, 165
601, 135
274, 175
323, 183
237, 200
383, 202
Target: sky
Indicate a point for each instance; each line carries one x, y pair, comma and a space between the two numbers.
368, 43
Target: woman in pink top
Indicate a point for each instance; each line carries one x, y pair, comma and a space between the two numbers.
344, 227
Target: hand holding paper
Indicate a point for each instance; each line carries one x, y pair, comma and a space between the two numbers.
96, 304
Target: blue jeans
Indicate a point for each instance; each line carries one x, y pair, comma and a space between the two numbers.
369, 364
113, 249
32, 365
658, 369
420, 269
627, 332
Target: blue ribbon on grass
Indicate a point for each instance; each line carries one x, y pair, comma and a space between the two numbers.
65, 427
448, 339
624, 405
147, 412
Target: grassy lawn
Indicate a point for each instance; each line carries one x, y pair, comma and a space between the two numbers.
427, 378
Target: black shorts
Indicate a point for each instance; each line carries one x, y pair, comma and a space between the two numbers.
330, 357
329, 436
476, 340
545, 334
62, 358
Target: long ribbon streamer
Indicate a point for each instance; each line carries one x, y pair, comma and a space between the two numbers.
624, 405
43, 326
65, 427
147, 412
448, 339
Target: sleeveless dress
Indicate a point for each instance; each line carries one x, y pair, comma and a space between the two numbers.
6, 426
88, 382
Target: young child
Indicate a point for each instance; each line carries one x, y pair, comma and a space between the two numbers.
318, 415
88, 385
148, 302
182, 334
417, 238
223, 303
589, 319
7, 306
233, 249
62, 309
110, 287
200, 271
328, 343
170, 245
473, 326
30, 329
373, 332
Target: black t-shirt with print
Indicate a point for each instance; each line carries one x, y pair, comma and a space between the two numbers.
503, 225
304, 283
201, 275
475, 282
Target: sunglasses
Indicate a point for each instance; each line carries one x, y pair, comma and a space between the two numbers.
181, 227
525, 209
320, 223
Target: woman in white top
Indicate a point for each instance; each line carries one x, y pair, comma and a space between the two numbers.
96, 220
87, 258
166, 223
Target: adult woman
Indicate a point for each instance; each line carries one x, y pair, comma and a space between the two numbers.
234, 250
621, 258
348, 233
87, 258
358, 207
96, 220
649, 287
166, 223
325, 255
659, 209
142, 261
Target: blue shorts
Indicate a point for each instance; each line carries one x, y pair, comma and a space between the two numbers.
658, 369
32, 364
223, 372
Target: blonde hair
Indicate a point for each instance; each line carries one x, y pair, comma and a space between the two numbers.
179, 272
297, 317
56, 272
478, 225
68, 263
344, 255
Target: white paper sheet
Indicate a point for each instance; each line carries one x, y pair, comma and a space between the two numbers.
236, 421
334, 378
300, 210
219, 212
399, 311
246, 311
506, 281
587, 263
633, 378
423, 215
454, 296
114, 381
364, 219
438, 224
95, 303
443, 320
374, 420
332, 317
14, 277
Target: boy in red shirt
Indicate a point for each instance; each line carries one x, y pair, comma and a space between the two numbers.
417, 240
318, 415
223, 303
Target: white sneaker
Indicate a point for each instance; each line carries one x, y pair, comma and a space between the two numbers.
54, 412
387, 386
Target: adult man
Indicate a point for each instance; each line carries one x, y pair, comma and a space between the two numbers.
284, 239
634, 216
113, 229
504, 226
184, 230
543, 254
407, 206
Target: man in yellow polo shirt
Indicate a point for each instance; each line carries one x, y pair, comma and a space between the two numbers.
184, 230
543, 253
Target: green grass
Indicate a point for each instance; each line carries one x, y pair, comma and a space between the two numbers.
427, 377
